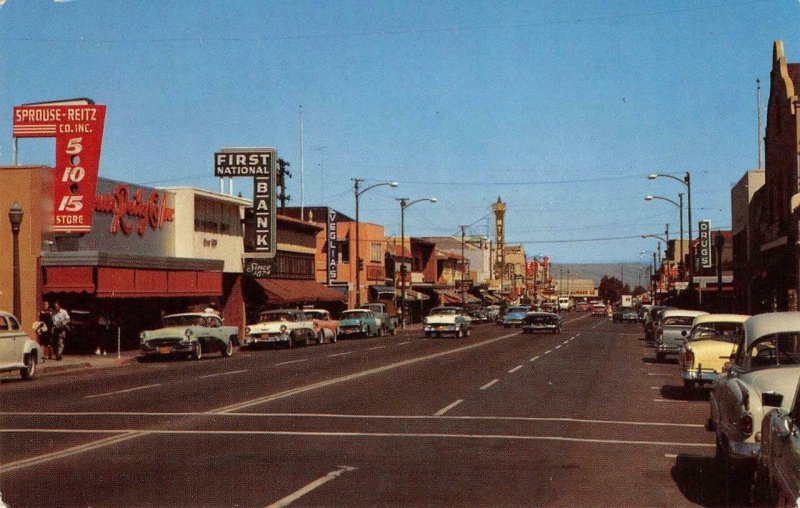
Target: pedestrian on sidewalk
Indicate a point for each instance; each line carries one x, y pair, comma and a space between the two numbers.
44, 330
104, 327
60, 329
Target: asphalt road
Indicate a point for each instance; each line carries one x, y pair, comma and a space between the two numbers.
585, 417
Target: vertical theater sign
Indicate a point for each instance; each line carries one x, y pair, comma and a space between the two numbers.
259, 164
77, 127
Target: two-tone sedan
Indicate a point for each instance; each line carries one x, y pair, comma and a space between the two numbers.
17, 350
359, 323
190, 334
767, 361
710, 346
541, 322
447, 321
673, 331
288, 327
515, 315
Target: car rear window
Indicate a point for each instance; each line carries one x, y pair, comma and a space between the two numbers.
678, 320
775, 350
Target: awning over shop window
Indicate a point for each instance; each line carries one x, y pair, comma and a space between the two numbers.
383, 290
454, 298
285, 291
113, 282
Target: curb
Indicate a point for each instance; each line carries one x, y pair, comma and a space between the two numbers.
48, 369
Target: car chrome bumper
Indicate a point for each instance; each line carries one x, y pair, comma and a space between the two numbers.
693, 375
744, 451
542, 327
249, 341
668, 349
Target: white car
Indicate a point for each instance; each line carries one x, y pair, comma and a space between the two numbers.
767, 361
290, 327
447, 320
17, 350
779, 459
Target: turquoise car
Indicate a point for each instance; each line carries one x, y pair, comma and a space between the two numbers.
359, 323
515, 315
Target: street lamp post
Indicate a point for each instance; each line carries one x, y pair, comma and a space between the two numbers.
405, 203
687, 181
359, 263
679, 204
15, 218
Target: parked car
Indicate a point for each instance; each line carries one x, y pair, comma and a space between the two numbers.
514, 315
447, 320
582, 306
651, 320
492, 311
673, 331
779, 457
541, 321
359, 322
289, 327
625, 315
387, 323
17, 350
711, 344
598, 309
191, 334
326, 328
767, 361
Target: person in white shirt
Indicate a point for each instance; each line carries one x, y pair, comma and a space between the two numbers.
60, 327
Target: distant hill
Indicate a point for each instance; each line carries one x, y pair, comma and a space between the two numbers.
629, 273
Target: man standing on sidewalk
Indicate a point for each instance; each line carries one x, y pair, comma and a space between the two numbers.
60, 327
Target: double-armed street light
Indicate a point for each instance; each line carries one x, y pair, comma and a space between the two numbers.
405, 203
687, 181
679, 204
359, 262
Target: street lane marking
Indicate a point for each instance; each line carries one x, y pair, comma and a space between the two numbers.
20, 464
548, 351
340, 354
376, 347
674, 400
588, 421
227, 432
489, 384
515, 369
558, 347
291, 498
222, 374
659, 374
300, 360
671, 455
534, 358
448, 408
567, 341
128, 390
655, 387
404, 343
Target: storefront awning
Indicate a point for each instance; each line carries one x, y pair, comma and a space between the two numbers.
290, 291
114, 282
454, 298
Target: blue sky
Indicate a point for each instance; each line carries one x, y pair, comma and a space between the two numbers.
560, 108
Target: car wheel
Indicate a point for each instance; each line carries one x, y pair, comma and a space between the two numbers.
321, 337
335, 336
382, 332
29, 370
394, 331
227, 349
460, 332
467, 332
197, 352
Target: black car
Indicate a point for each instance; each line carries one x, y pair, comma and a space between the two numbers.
541, 321
625, 315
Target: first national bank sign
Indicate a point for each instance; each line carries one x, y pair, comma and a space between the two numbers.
259, 164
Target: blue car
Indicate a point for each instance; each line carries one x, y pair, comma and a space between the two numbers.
515, 315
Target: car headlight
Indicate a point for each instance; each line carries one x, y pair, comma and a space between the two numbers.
188, 332
143, 335
247, 330
284, 328
425, 321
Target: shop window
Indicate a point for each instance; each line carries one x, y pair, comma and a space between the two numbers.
344, 251
375, 252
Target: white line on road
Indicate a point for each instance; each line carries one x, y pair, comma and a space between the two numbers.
340, 354
548, 351
671, 455
674, 400
658, 374
106, 394
222, 374
300, 360
515, 369
534, 358
655, 387
567, 341
448, 408
291, 498
558, 347
521, 437
404, 343
489, 384
376, 347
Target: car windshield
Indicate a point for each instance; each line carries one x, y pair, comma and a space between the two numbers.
677, 321
518, 309
726, 332
316, 314
444, 311
276, 315
775, 350
183, 320
354, 314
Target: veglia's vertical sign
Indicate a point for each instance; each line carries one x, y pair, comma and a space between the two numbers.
78, 129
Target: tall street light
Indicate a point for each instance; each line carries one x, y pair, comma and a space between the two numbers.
687, 181
359, 263
679, 204
15, 218
405, 203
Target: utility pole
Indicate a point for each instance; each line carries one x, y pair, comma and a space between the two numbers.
281, 182
463, 267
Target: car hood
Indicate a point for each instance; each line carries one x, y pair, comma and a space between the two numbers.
515, 315
170, 331
352, 322
269, 326
440, 318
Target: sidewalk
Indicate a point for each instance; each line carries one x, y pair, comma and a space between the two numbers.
71, 363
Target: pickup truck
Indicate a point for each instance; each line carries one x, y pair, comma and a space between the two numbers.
387, 323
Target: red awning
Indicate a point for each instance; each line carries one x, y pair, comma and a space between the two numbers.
298, 291
454, 298
113, 282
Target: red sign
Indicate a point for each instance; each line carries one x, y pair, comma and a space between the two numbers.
152, 210
78, 130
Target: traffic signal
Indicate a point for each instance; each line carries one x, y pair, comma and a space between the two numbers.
360, 265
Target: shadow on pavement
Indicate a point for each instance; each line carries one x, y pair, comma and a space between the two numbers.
672, 392
666, 361
702, 481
